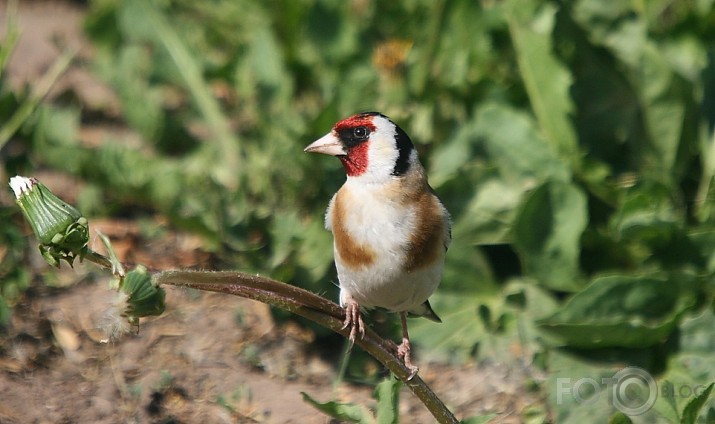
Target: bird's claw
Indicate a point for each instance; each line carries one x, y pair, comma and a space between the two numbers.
404, 352
353, 320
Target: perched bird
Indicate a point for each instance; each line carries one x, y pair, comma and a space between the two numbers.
390, 230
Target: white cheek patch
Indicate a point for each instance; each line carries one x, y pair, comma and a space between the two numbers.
381, 159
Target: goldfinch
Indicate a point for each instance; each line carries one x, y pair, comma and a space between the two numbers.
390, 231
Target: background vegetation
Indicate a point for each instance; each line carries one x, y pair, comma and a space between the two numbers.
572, 142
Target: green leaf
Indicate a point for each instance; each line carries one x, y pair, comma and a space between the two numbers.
547, 234
450, 156
460, 330
32, 102
546, 78
467, 270
130, 71
484, 419
316, 240
666, 389
614, 25
619, 418
464, 51
692, 409
10, 37
489, 215
484, 324
625, 311
571, 403
662, 105
704, 240
647, 213
342, 411
516, 147
690, 368
387, 394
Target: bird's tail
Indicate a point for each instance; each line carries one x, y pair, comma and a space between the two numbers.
424, 310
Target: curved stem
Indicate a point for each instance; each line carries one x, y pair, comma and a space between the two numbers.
312, 307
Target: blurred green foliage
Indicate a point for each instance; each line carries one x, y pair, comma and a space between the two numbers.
385, 411
572, 141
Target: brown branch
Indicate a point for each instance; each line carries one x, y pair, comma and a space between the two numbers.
312, 307
34, 204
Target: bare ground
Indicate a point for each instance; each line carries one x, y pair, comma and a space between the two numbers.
209, 358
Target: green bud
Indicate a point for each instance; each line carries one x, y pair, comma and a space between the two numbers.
62, 231
145, 297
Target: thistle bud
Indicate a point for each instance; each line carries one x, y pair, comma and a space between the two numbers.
144, 297
61, 229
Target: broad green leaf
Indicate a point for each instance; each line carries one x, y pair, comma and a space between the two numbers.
464, 51
57, 126
704, 239
614, 25
129, 70
692, 409
547, 232
623, 311
485, 324
623, 29
662, 104
460, 331
517, 148
315, 241
266, 59
283, 233
647, 213
575, 391
486, 217
450, 156
666, 388
467, 270
598, 389
387, 394
489, 215
546, 78
691, 369
687, 56
341, 411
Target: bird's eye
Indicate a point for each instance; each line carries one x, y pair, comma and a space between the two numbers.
360, 132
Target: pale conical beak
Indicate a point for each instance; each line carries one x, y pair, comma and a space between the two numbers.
327, 145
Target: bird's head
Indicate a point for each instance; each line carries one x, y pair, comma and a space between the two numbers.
369, 145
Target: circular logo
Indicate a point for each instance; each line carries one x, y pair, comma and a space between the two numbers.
634, 391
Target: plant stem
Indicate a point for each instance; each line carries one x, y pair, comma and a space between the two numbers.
300, 302
101, 260
313, 307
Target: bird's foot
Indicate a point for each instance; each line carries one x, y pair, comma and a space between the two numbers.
353, 320
404, 352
